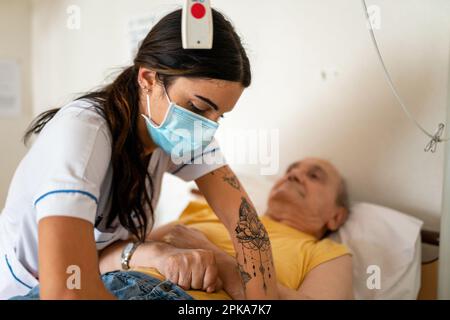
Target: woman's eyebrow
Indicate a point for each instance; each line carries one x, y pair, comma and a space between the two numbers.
211, 104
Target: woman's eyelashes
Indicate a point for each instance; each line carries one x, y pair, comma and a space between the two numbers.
196, 109
201, 111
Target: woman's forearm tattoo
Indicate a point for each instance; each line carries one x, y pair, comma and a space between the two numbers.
253, 237
229, 177
245, 276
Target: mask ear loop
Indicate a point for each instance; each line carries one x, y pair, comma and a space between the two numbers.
148, 106
148, 99
167, 95
149, 109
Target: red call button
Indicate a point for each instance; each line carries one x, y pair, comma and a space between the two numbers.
198, 11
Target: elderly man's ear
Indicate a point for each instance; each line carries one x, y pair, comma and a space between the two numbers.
338, 219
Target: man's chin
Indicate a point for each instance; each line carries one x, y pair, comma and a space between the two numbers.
288, 203
287, 194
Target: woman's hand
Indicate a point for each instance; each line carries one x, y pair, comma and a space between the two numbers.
183, 237
190, 269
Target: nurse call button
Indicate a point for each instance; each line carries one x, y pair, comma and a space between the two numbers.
198, 11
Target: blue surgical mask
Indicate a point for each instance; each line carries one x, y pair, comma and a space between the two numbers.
182, 132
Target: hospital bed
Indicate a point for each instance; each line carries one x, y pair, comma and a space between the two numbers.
385, 243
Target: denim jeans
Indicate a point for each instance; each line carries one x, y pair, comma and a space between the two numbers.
131, 286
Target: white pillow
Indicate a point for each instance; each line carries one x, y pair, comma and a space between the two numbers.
389, 240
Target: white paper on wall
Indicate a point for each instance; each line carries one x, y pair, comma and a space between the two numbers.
140, 26
10, 104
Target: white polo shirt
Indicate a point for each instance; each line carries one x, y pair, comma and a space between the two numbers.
68, 172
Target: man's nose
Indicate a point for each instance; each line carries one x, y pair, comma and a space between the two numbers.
296, 176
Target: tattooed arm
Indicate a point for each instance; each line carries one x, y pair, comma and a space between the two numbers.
230, 202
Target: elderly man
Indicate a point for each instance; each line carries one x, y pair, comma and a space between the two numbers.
307, 203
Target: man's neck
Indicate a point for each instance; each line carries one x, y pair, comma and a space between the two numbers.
294, 223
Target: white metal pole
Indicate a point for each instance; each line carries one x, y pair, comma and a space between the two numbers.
444, 239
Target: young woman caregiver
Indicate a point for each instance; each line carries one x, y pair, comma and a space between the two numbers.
82, 198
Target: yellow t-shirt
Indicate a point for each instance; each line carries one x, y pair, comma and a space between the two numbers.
295, 253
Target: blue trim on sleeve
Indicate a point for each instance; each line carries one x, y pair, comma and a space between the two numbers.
90, 195
192, 159
14, 276
103, 241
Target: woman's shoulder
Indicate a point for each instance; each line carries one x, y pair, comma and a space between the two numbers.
83, 110
78, 128
82, 115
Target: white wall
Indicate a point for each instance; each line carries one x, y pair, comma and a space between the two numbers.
15, 17
351, 118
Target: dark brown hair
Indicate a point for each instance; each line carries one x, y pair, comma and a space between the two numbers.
118, 102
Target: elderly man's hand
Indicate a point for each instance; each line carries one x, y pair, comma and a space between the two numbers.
183, 237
